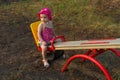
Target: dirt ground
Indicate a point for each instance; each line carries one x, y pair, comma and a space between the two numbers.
20, 60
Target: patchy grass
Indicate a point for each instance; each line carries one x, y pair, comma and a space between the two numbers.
75, 19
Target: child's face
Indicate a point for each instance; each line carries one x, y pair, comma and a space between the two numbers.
44, 18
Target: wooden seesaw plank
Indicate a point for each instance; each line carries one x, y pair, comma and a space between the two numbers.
88, 44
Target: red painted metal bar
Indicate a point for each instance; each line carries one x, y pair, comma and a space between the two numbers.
52, 48
115, 51
89, 58
98, 52
87, 53
93, 53
48, 49
54, 39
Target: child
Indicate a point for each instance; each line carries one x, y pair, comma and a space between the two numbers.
45, 32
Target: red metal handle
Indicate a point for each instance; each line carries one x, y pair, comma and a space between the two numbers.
115, 51
54, 39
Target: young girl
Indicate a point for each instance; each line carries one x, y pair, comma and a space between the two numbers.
45, 32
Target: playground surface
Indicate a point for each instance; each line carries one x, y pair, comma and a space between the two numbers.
20, 60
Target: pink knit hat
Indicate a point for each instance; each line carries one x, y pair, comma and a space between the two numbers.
45, 11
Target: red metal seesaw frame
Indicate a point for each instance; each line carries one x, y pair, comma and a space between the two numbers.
97, 63
89, 55
95, 52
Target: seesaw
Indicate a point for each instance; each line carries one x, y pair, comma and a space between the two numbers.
93, 47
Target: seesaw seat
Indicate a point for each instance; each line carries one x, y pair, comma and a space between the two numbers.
51, 49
